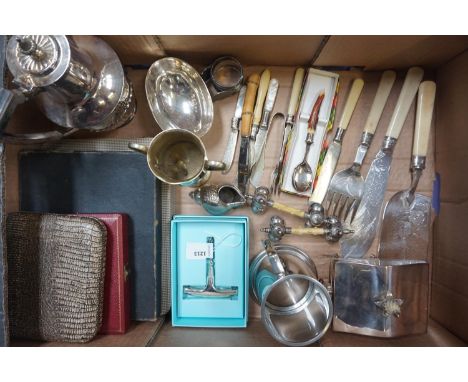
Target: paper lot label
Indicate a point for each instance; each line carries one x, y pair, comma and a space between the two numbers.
199, 251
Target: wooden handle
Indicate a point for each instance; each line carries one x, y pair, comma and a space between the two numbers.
261, 95
289, 210
408, 91
351, 102
308, 231
296, 90
425, 107
383, 91
249, 100
314, 115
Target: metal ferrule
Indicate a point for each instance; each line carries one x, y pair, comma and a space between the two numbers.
309, 139
389, 143
366, 140
290, 119
265, 119
339, 135
418, 162
253, 133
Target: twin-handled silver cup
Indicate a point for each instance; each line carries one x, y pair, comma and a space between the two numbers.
178, 157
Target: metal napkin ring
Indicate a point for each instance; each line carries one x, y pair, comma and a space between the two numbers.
223, 77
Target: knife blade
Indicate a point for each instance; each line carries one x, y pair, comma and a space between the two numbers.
263, 129
243, 170
257, 114
366, 221
232, 140
334, 150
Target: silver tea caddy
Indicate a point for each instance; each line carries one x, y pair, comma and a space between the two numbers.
380, 298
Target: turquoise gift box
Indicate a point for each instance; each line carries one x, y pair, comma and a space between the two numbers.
193, 240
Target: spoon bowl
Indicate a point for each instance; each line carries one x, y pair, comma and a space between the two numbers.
302, 177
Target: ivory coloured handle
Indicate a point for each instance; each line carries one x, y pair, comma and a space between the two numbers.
261, 95
308, 231
288, 210
408, 91
351, 102
424, 111
296, 90
383, 91
249, 101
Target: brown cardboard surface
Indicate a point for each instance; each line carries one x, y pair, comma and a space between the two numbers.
144, 125
139, 334
385, 52
450, 266
249, 50
256, 335
136, 50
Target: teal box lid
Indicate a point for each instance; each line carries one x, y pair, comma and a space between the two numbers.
193, 240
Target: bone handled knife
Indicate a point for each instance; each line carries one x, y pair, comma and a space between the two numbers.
257, 114
293, 102
334, 150
243, 170
232, 141
261, 96
263, 128
383, 91
366, 221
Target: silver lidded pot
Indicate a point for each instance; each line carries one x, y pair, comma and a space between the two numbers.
78, 82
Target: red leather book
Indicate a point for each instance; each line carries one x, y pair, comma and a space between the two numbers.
116, 310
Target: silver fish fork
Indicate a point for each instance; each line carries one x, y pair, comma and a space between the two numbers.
347, 186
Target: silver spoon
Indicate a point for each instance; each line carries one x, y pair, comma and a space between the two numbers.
302, 175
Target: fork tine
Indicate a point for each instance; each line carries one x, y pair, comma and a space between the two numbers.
342, 210
347, 210
327, 201
356, 203
333, 203
338, 204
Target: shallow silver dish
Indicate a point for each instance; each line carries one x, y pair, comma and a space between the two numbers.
178, 96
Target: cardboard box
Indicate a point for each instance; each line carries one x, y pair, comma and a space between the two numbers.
444, 59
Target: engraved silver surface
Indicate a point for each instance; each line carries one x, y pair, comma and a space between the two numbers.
406, 227
368, 213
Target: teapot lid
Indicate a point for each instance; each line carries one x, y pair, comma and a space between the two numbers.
37, 60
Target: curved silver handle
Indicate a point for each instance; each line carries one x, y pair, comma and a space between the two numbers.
213, 165
142, 149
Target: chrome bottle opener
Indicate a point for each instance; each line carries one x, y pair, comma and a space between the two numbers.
210, 290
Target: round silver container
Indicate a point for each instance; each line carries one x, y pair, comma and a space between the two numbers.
296, 308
